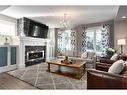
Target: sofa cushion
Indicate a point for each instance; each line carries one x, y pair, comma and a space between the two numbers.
108, 61
84, 55
115, 57
69, 53
102, 66
117, 67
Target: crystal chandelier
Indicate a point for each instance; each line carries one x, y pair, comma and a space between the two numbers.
64, 23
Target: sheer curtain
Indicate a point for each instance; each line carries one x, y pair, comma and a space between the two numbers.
59, 41
66, 40
51, 45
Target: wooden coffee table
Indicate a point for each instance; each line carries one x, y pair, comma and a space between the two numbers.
78, 66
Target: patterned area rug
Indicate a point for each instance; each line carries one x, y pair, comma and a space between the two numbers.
40, 78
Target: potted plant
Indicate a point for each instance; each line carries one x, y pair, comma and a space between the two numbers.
110, 52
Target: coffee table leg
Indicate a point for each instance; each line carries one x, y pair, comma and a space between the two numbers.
49, 67
59, 68
78, 74
84, 67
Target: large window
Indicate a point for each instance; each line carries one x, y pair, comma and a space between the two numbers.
93, 40
7, 28
66, 40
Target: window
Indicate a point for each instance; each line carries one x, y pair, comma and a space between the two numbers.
7, 28
93, 40
64, 40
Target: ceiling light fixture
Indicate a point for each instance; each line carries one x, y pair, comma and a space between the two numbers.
64, 23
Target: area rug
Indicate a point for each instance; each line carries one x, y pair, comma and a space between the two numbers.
37, 76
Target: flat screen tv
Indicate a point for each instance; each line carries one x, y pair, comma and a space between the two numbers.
36, 29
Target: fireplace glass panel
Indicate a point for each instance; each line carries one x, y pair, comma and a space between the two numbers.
35, 55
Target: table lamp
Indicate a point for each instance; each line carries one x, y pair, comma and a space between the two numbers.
121, 42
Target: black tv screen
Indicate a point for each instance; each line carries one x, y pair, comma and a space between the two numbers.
37, 30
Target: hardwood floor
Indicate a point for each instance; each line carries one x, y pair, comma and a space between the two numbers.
9, 82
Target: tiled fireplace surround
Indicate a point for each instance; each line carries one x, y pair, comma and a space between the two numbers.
33, 42
34, 54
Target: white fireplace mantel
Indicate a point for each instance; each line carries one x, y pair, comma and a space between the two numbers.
30, 41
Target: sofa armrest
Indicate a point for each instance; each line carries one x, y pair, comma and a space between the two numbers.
103, 80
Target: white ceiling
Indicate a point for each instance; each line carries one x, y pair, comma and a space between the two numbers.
52, 15
3, 7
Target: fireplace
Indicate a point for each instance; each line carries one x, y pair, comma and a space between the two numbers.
34, 54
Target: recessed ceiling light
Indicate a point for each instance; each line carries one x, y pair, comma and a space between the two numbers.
123, 16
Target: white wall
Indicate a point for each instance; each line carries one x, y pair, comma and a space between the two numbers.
120, 28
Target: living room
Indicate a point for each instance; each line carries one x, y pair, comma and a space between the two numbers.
62, 47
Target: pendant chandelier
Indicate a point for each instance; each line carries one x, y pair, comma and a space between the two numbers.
64, 23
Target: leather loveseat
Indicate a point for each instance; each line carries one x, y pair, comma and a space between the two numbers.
99, 78
105, 63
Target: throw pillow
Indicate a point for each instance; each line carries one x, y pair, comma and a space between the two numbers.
90, 54
116, 67
84, 55
115, 57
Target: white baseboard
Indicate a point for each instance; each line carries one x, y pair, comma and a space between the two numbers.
21, 66
7, 68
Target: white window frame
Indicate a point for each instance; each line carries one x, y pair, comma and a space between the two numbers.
94, 29
11, 23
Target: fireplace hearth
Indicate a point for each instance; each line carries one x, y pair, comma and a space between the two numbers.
34, 54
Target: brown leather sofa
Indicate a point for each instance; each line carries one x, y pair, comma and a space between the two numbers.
104, 64
99, 78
